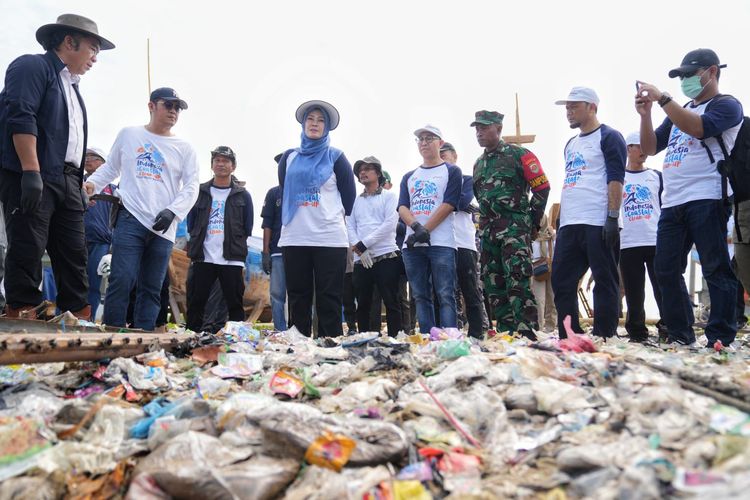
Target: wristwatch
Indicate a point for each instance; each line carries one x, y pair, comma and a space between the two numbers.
615, 214
664, 99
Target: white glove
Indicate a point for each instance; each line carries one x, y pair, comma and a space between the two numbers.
104, 265
365, 259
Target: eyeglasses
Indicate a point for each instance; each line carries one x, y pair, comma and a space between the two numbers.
692, 73
428, 139
170, 105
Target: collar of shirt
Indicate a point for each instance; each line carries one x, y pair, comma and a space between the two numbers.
378, 191
497, 150
73, 79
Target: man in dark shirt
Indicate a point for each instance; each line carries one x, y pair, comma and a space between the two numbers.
273, 263
43, 131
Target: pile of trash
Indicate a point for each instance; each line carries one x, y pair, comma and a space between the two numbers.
263, 414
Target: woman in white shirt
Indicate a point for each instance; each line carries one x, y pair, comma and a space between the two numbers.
318, 191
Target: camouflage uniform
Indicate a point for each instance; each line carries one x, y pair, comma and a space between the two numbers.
503, 178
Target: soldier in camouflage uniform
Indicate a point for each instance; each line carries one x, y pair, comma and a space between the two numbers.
508, 222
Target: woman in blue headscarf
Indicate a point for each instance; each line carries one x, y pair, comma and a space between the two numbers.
318, 192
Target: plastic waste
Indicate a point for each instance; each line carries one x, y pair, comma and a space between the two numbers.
451, 349
237, 365
239, 331
285, 383
330, 450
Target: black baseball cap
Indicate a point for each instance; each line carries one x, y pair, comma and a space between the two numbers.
447, 147
167, 94
696, 59
224, 151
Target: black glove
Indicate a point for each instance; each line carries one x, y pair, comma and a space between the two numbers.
266, 262
31, 191
421, 234
611, 232
163, 220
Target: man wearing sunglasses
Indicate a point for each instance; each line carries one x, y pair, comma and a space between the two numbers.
158, 183
43, 141
694, 208
429, 196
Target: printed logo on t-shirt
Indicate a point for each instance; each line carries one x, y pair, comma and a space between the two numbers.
216, 219
575, 164
310, 197
637, 202
424, 195
677, 148
149, 163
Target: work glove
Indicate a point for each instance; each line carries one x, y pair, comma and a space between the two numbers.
420, 235
366, 259
105, 265
31, 191
611, 232
163, 221
266, 262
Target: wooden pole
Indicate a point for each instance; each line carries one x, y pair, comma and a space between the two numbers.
148, 63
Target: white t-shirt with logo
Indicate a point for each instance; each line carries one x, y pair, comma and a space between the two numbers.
213, 245
688, 172
156, 172
319, 219
641, 208
373, 222
592, 160
423, 190
465, 231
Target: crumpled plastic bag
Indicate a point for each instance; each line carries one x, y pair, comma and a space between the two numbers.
318, 483
260, 477
145, 378
368, 392
290, 429
555, 397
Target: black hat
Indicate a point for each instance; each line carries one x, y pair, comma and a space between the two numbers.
370, 160
447, 147
277, 157
696, 59
167, 94
224, 151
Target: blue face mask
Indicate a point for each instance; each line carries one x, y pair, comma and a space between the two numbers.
692, 87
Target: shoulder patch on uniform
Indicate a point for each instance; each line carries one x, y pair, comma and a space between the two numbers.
533, 173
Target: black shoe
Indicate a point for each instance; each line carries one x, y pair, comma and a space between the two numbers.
529, 334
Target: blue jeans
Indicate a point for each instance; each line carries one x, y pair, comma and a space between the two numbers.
703, 223
278, 292
426, 266
138, 257
96, 250
578, 248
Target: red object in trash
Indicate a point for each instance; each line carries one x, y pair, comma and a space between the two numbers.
575, 342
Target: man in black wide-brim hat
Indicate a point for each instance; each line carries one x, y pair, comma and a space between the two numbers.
43, 132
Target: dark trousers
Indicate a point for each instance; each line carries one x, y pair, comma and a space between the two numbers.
349, 302
383, 276
632, 262
466, 273
578, 247
319, 270
704, 223
201, 281
57, 225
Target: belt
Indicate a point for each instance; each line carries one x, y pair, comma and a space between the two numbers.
71, 169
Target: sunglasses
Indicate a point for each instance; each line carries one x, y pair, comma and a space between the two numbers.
692, 73
170, 105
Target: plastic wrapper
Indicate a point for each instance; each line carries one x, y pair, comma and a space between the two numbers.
555, 397
331, 451
451, 349
290, 429
21, 441
237, 365
286, 383
213, 387
239, 331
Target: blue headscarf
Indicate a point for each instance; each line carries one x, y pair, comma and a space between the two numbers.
309, 170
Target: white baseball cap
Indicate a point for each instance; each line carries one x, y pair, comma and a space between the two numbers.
431, 129
633, 138
580, 94
98, 152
